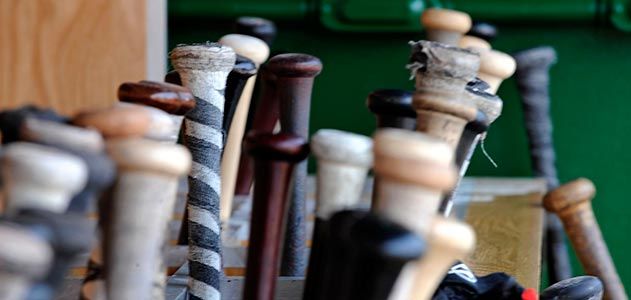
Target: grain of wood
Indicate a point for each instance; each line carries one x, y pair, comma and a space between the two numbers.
73, 54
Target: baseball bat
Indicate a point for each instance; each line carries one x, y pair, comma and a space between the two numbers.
243, 69
392, 108
495, 67
86, 144
489, 108
116, 121
265, 116
177, 101
146, 183
444, 25
260, 28
571, 202
275, 156
576, 288
533, 79
204, 69
344, 159
483, 30
257, 51
25, 258
442, 73
173, 77
69, 235
11, 120
40, 177
162, 126
383, 249
295, 74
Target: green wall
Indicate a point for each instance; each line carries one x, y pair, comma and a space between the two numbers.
591, 101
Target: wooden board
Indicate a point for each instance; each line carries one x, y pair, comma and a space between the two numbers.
73, 54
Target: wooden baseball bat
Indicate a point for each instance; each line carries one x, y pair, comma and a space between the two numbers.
243, 69
204, 69
40, 177
178, 101
448, 241
489, 108
275, 156
116, 121
295, 74
146, 182
25, 258
69, 235
173, 77
495, 67
344, 159
576, 288
474, 42
571, 202
533, 79
11, 120
162, 126
392, 108
260, 28
442, 73
266, 115
444, 25
384, 248
86, 144
257, 51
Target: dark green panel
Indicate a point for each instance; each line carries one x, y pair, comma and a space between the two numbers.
591, 101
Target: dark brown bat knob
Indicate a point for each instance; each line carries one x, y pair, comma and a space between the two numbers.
577, 288
392, 108
275, 156
263, 29
572, 203
173, 77
170, 98
294, 80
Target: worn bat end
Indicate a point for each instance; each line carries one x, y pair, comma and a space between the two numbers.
295, 65
116, 121
170, 98
569, 194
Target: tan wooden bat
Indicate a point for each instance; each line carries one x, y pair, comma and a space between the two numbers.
572, 203
444, 25
134, 233
258, 51
495, 66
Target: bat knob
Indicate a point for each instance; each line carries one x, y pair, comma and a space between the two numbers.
495, 66
438, 22
23, 253
63, 135
483, 30
173, 77
294, 65
248, 46
568, 195
40, 177
150, 156
203, 57
281, 146
263, 29
577, 288
442, 67
342, 147
171, 98
535, 58
414, 157
474, 43
391, 102
11, 120
116, 121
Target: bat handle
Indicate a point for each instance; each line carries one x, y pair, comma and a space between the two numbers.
295, 74
572, 203
244, 68
275, 156
266, 115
